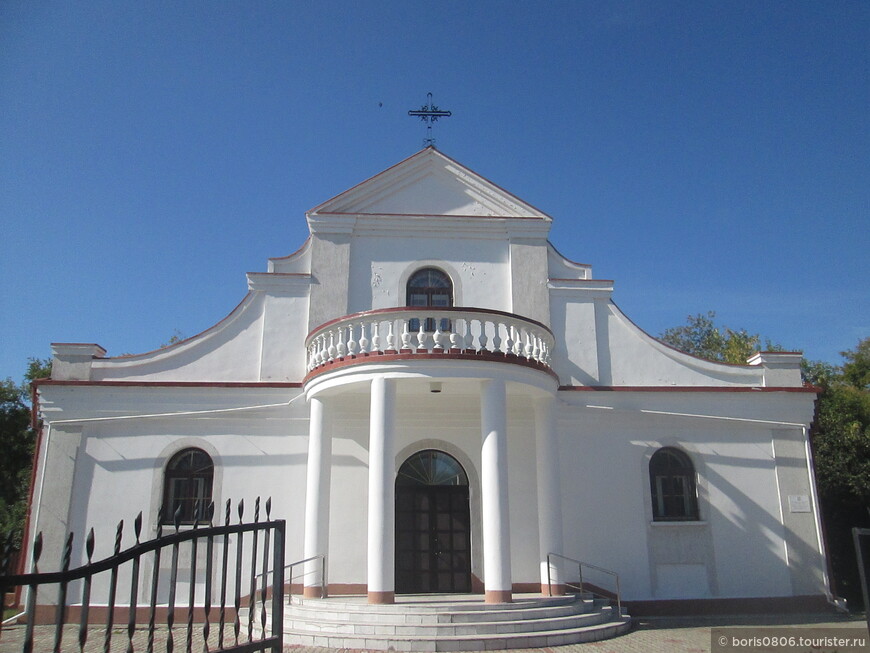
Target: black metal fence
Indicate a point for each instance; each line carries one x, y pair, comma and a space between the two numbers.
204, 585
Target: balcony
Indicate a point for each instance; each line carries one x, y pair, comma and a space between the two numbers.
407, 333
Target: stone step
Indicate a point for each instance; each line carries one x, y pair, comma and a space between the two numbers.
436, 603
435, 630
449, 623
477, 642
449, 613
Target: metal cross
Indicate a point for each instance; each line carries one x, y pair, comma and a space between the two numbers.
429, 113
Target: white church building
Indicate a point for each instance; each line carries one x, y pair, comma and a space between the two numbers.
436, 400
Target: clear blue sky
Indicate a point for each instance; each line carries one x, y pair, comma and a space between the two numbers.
704, 155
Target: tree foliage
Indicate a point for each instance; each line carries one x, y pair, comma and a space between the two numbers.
841, 445
856, 369
17, 440
703, 338
842, 430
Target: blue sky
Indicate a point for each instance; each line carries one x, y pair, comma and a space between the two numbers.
704, 155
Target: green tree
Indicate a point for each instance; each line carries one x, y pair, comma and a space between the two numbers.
703, 338
17, 440
856, 369
841, 446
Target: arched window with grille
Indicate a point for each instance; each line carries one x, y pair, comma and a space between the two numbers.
187, 486
429, 288
672, 484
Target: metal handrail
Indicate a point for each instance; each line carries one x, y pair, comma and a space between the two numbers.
319, 556
580, 564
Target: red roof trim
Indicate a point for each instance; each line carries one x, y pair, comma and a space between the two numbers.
516, 198
745, 366
670, 388
365, 181
213, 327
172, 384
504, 190
407, 355
298, 251
565, 258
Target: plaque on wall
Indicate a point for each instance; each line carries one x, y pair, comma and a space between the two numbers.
798, 503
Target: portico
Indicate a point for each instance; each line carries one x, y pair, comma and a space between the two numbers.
477, 395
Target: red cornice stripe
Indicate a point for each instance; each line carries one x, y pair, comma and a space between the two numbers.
421, 153
565, 258
448, 354
669, 388
173, 384
298, 251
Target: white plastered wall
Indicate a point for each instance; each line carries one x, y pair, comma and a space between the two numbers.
380, 267
596, 344
261, 340
260, 452
737, 549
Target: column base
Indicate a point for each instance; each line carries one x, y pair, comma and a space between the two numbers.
498, 596
313, 592
552, 590
381, 598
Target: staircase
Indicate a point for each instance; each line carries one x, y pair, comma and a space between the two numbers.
450, 622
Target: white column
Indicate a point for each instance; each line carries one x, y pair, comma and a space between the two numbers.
549, 494
317, 498
494, 492
381, 533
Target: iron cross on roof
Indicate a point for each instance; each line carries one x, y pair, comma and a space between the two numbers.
429, 113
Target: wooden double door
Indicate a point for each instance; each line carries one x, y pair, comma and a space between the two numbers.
433, 537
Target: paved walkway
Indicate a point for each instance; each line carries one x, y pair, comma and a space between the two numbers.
650, 635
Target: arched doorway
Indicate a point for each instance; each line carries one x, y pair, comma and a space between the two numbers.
433, 525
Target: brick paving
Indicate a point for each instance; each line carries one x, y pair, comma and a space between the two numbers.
650, 635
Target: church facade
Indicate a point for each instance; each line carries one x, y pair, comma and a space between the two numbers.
439, 402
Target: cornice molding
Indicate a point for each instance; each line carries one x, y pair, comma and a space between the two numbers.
298, 284
596, 288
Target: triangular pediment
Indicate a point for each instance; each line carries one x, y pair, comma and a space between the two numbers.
432, 184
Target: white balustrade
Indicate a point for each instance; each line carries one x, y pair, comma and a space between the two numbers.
428, 331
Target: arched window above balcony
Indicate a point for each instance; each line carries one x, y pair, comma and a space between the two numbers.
430, 288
